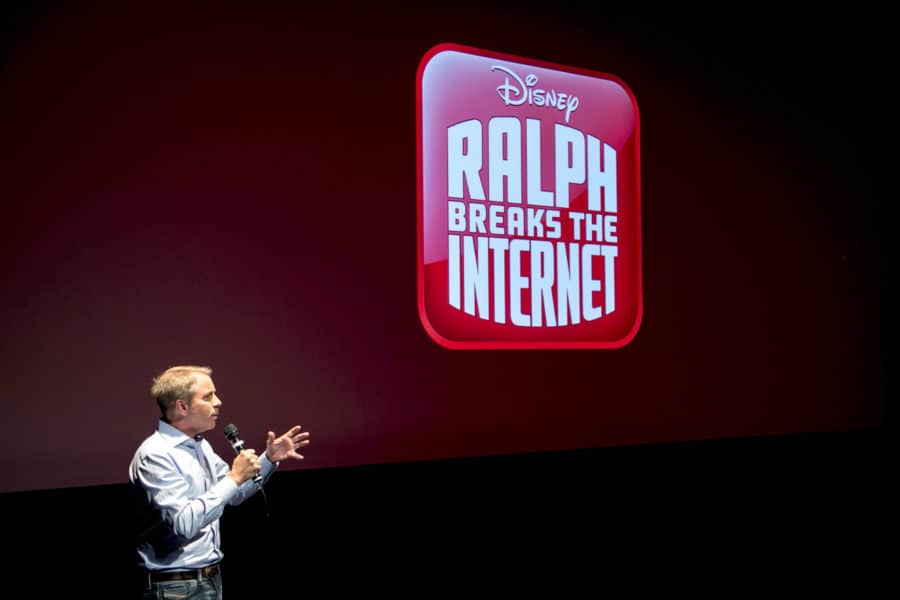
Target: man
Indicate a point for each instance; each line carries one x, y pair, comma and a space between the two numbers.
182, 486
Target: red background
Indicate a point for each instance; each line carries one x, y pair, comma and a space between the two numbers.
236, 187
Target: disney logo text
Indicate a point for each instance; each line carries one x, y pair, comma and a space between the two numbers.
518, 92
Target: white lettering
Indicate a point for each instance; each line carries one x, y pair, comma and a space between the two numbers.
569, 162
601, 178
515, 92
535, 195
506, 159
568, 266
464, 159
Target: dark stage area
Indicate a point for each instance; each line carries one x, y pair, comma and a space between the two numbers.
808, 497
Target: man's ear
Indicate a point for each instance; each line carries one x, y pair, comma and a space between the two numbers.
181, 407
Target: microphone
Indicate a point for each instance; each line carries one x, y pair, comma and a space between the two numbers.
231, 432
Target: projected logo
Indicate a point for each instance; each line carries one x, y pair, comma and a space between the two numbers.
529, 203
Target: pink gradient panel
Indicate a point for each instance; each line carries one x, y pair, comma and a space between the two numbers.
461, 87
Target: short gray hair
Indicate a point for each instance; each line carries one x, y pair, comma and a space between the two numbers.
176, 383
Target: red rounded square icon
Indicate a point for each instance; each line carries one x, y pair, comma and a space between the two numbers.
528, 203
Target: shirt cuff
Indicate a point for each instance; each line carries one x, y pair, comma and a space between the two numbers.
225, 488
267, 462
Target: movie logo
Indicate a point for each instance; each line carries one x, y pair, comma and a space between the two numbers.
528, 203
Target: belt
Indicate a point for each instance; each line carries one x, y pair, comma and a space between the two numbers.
201, 573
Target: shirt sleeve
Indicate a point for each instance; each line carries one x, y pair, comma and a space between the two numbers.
249, 487
168, 491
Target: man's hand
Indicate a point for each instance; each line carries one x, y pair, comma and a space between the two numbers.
286, 446
245, 466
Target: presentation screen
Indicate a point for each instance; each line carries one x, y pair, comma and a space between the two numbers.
473, 229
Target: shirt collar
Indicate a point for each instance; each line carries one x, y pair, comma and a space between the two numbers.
174, 436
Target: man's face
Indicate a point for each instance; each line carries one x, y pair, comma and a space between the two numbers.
204, 409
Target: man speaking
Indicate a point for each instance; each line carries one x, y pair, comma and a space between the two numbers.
182, 485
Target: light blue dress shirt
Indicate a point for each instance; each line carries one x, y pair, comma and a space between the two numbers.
182, 487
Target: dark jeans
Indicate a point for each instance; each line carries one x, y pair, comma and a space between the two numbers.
199, 589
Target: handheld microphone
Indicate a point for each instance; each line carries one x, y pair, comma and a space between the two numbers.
231, 432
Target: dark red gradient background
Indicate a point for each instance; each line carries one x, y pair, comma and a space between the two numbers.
236, 187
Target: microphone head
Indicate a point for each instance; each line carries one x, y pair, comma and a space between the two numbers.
231, 432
